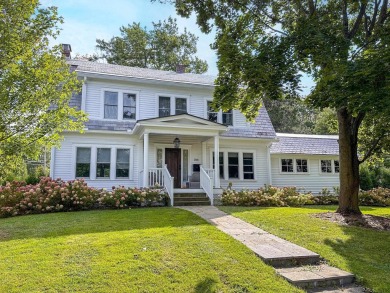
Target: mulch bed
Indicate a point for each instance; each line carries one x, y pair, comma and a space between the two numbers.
365, 221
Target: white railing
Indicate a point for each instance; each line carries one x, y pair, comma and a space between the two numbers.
207, 184
156, 177
211, 173
168, 183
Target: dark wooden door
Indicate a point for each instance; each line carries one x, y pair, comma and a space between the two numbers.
173, 161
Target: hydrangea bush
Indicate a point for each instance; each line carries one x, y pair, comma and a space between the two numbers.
291, 196
19, 198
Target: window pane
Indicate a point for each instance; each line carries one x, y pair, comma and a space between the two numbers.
326, 166
233, 165
122, 163
129, 106
336, 166
248, 165
103, 162
181, 106
83, 162
164, 106
301, 166
227, 118
287, 165
211, 114
111, 105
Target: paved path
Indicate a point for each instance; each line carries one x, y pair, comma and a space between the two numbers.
289, 259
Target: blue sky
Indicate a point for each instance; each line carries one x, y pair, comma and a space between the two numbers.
88, 20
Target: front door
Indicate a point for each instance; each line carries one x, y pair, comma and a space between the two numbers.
173, 161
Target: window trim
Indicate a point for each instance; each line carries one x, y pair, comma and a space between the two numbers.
294, 159
219, 114
172, 103
92, 171
332, 165
240, 163
120, 92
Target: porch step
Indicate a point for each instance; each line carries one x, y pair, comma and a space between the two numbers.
316, 276
191, 199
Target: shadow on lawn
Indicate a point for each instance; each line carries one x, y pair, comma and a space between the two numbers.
208, 285
367, 255
102, 221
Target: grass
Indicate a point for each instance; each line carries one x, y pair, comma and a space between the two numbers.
362, 251
138, 250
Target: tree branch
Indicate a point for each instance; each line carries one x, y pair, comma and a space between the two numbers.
345, 19
359, 18
383, 15
372, 148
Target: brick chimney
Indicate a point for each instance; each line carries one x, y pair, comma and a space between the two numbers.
66, 49
181, 68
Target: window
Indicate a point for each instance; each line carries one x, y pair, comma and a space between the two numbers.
103, 163
227, 118
122, 163
211, 114
233, 165
83, 162
326, 166
181, 106
129, 106
110, 105
247, 162
221, 165
287, 166
301, 166
164, 106
336, 166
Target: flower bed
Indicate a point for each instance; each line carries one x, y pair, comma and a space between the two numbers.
290, 196
18, 198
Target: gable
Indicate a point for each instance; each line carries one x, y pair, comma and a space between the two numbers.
182, 119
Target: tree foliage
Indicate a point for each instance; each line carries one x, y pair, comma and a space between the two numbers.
263, 46
33, 78
162, 47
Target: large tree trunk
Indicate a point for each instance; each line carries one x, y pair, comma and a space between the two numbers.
349, 162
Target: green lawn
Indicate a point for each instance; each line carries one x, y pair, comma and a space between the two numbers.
364, 252
138, 250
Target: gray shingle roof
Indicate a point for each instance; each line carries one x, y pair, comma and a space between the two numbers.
305, 144
109, 125
262, 128
142, 73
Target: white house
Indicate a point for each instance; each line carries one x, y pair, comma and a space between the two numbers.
150, 127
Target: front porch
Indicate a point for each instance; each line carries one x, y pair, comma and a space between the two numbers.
174, 155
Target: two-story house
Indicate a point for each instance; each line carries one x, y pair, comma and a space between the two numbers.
150, 127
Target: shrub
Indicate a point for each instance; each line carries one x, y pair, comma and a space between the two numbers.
19, 198
375, 197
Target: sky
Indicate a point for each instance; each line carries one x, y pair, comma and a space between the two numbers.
88, 20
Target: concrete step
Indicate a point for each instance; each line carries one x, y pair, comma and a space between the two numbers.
192, 203
179, 199
192, 195
316, 277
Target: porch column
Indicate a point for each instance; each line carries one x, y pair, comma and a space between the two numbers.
146, 160
217, 183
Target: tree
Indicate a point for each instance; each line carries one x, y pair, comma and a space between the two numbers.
263, 46
35, 82
291, 115
163, 47
326, 122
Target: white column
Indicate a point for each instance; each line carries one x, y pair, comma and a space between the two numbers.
217, 183
204, 154
146, 160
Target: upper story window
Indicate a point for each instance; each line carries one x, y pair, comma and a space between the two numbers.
110, 105
181, 106
211, 114
226, 117
164, 106
129, 106
171, 106
119, 105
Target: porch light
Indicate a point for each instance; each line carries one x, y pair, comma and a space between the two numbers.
176, 143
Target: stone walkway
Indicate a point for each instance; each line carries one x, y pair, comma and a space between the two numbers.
295, 263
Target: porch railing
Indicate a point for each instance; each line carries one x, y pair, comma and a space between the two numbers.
211, 173
168, 183
207, 184
156, 177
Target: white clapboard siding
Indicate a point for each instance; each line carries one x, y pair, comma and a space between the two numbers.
65, 157
313, 181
